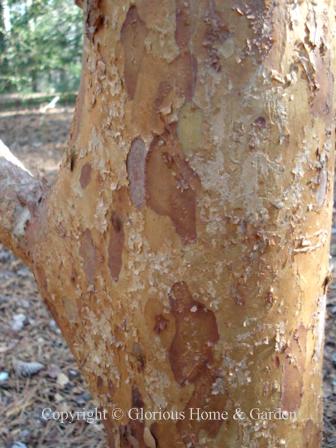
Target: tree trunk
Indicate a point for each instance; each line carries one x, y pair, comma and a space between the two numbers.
183, 250
2, 30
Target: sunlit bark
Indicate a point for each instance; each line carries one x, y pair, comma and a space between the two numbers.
183, 250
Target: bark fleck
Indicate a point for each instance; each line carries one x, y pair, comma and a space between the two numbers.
116, 245
161, 323
137, 400
293, 366
312, 435
171, 185
136, 172
85, 176
133, 34
94, 18
196, 334
89, 254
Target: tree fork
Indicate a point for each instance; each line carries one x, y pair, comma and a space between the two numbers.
183, 249
20, 196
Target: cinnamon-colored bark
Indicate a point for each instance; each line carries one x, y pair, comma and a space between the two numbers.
20, 197
184, 247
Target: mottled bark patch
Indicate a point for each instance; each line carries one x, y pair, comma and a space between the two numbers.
131, 435
149, 439
71, 310
205, 396
42, 282
293, 369
189, 128
85, 176
139, 355
186, 63
89, 254
41, 279
277, 361
323, 88
116, 245
312, 435
99, 383
322, 180
137, 401
266, 38
315, 61
94, 18
133, 34
186, 67
78, 115
183, 23
163, 93
216, 34
196, 333
161, 323
110, 388
136, 171
171, 185
260, 122
109, 432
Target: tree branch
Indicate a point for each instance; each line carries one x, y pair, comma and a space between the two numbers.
79, 3
20, 195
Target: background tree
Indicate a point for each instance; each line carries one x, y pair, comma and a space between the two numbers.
3, 43
2, 29
183, 250
43, 50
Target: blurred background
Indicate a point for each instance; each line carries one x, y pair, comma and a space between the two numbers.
40, 46
40, 63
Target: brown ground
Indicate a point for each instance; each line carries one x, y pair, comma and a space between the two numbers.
32, 135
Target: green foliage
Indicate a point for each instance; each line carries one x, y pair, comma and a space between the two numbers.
2, 30
42, 49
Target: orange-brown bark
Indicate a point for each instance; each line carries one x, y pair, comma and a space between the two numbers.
184, 247
20, 196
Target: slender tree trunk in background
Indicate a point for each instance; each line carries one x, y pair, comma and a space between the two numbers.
63, 81
2, 29
5, 22
3, 45
183, 250
34, 81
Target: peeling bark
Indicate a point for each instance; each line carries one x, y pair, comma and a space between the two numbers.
190, 221
21, 196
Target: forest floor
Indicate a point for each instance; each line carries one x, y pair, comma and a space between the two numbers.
29, 334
